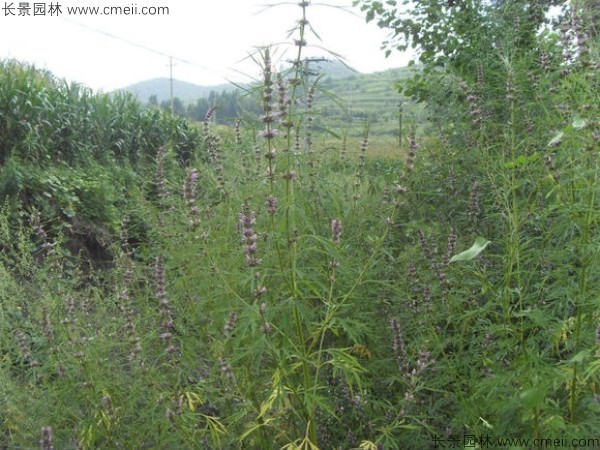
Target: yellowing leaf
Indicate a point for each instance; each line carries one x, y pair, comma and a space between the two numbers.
361, 350
193, 399
367, 445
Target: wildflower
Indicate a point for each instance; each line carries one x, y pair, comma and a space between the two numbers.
427, 295
161, 180
268, 133
452, 238
249, 236
427, 250
258, 159
46, 441
398, 346
283, 99
48, 332
271, 204
189, 194
297, 144
45, 245
480, 78
410, 160
260, 292
124, 237
128, 312
230, 325
159, 276
549, 163
336, 230
510, 88
473, 209
267, 71
364, 146
291, 175
266, 327
386, 196
545, 63
423, 362
474, 104
25, 348
226, 369
177, 408
206, 124
412, 152
164, 305
267, 118
238, 132
310, 95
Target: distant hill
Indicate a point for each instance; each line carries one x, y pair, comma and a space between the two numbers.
332, 69
366, 98
189, 92
344, 97
161, 87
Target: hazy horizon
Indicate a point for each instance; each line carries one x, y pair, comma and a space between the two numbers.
209, 44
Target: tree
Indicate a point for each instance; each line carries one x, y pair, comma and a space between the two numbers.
454, 32
468, 40
178, 107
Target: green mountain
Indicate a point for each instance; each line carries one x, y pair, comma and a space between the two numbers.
190, 92
344, 97
161, 87
329, 69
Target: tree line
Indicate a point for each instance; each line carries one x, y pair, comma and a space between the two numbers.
229, 106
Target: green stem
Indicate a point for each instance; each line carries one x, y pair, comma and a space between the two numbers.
582, 289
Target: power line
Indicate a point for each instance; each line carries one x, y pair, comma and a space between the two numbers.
140, 46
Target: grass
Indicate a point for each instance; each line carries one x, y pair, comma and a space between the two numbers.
261, 288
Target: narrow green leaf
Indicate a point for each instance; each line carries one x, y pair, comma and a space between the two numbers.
486, 423
556, 139
479, 245
580, 357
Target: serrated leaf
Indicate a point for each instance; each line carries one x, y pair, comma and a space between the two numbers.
479, 245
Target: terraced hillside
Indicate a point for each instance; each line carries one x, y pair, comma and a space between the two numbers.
353, 102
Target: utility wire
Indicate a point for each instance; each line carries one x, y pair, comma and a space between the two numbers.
141, 46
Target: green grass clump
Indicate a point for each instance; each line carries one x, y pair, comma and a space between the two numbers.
270, 287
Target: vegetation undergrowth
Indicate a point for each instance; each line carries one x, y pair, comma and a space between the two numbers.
173, 285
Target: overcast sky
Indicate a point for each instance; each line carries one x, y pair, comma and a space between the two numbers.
214, 37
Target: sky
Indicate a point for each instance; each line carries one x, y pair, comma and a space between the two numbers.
210, 40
